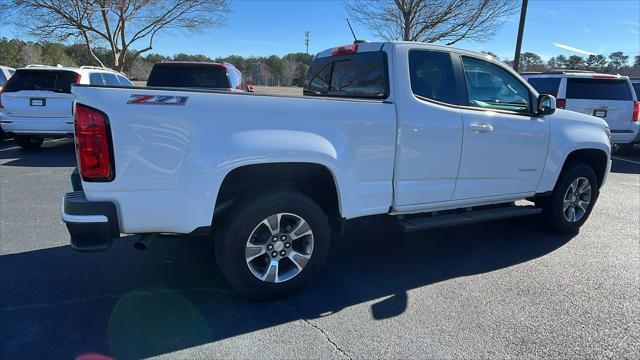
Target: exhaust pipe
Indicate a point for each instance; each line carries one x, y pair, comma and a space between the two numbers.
143, 242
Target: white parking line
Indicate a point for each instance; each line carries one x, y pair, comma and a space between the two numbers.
631, 161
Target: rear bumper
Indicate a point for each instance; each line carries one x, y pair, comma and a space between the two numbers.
92, 224
37, 126
626, 136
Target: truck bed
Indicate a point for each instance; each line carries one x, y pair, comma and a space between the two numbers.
180, 144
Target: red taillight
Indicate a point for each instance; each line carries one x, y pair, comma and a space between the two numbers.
561, 103
93, 144
78, 78
636, 111
345, 50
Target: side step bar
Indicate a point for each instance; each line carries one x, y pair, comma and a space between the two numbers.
469, 217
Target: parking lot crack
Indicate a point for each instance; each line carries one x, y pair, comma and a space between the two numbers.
317, 328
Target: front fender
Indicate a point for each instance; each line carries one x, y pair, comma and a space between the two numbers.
571, 131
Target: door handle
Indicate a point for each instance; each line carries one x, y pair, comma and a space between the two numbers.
481, 128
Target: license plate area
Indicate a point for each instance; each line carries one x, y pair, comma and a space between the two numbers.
601, 113
37, 102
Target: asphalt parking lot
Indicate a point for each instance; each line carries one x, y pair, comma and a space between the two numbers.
504, 289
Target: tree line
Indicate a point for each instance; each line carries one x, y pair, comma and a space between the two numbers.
616, 62
284, 70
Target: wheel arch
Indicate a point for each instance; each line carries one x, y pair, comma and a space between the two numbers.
316, 180
597, 159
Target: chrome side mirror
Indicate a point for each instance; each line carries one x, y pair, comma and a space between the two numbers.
546, 104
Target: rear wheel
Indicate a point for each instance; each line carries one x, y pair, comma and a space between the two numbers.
28, 142
572, 200
270, 245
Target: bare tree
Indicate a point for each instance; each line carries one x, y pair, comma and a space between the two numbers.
30, 54
117, 24
445, 21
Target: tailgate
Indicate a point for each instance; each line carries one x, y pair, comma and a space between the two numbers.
616, 113
37, 104
611, 99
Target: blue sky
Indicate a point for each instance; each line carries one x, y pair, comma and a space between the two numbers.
264, 27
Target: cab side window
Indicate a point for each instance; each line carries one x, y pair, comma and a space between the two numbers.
432, 76
111, 79
124, 81
96, 79
491, 87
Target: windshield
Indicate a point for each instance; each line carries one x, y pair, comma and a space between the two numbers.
46, 80
206, 76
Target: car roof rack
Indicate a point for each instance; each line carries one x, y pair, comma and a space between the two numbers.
38, 65
192, 62
101, 68
568, 71
95, 67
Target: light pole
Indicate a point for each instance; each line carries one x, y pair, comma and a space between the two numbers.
523, 16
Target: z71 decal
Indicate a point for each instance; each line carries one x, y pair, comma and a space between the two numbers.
158, 100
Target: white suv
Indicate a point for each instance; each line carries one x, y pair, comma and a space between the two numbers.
5, 73
37, 103
610, 97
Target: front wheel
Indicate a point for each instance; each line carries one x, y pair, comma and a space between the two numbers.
28, 142
273, 244
572, 200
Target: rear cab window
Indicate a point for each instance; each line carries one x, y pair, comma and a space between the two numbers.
45, 80
205, 76
598, 89
546, 85
361, 75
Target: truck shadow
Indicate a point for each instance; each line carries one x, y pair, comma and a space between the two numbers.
53, 153
626, 165
57, 303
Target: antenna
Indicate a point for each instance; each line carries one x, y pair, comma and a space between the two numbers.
355, 39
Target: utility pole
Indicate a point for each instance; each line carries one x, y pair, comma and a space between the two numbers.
307, 38
523, 15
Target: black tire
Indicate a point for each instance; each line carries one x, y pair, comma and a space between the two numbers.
552, 207
232, 232
28, 142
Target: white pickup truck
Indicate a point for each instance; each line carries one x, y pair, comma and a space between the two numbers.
432, 135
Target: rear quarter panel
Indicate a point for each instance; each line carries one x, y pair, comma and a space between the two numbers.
171, 160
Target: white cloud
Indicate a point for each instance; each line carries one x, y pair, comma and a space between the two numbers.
571, 48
